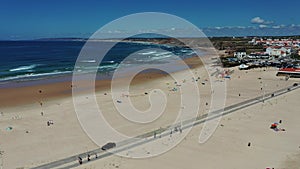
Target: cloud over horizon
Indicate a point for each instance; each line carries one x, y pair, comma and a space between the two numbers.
218, 31
261, 22
260, 30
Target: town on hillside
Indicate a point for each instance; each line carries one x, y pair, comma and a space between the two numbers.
247, 53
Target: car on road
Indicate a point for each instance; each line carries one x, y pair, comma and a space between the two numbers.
109, 145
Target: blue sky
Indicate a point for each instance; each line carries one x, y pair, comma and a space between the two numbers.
64, 18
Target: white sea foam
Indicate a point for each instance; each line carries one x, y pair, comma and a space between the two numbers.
93, 68
88, 61
148, 53
94, 61
161, 57
32, 75
109, 66
22, 68
112, 61
162, 53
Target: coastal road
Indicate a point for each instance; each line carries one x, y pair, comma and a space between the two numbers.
71, 162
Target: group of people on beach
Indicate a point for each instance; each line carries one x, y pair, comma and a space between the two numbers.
176, 129
50, 122
88, 158
274, 126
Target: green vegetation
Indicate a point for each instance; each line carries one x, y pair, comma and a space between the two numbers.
229, 43
295, 56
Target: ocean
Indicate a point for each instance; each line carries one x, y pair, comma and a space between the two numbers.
37, 60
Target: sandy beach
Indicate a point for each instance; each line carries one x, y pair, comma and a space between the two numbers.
30, 142
228, 147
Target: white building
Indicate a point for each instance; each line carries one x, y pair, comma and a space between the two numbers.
259, 55
278, 51
240, 54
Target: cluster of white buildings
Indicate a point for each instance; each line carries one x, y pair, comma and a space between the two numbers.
295, 43
278, 51
273, 48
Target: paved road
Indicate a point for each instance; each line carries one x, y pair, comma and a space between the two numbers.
71, 162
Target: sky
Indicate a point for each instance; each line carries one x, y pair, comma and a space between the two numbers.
30, 19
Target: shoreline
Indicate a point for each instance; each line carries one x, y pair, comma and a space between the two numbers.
26, 71
28, 92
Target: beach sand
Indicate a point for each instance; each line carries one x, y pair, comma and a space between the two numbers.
31, 142
228, 147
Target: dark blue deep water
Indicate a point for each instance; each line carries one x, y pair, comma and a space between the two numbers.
31, 60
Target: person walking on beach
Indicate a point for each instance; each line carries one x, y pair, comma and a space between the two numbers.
88, 157
80, 160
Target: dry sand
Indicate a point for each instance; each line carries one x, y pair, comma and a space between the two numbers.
228, 147
31, 142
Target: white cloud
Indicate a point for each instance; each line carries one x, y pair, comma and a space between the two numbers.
263, 26
282, 25
268, 22
278, 26
259, 20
